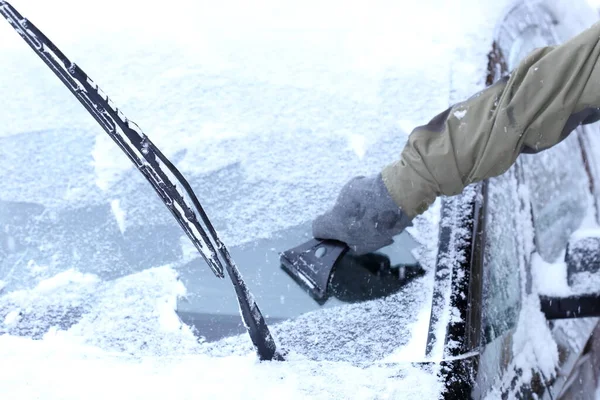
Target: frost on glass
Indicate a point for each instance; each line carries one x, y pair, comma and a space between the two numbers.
501, 272
262, 156
357, 333
265, 141
559, 190
53, 219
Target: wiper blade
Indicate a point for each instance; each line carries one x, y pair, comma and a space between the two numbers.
128, 136
156, 168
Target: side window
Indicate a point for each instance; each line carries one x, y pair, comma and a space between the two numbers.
559, 191
543, 198
508, 219
556, 178
502, 258
502, 281
590, 142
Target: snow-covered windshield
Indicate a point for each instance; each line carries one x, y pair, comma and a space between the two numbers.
267, 116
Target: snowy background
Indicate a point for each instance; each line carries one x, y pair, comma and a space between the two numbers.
282, 102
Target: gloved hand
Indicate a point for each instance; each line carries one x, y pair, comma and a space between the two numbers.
365, 216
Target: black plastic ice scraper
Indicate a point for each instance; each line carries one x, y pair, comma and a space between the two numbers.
326, 268
311, 264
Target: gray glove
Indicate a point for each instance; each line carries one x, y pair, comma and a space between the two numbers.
365, 216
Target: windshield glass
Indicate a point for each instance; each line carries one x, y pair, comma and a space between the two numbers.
265, 123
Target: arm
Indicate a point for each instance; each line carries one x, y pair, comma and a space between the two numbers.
548, 95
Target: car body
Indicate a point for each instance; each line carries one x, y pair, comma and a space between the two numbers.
527, 214
461, 318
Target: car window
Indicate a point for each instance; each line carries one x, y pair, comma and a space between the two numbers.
502, 257
265, 144
559, 191
508, 226
557, 182
363, 320
536, 206
508, 222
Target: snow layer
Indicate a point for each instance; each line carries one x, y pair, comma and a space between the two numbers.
293, 100
280, 105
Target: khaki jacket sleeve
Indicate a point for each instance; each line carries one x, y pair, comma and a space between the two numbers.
549, 94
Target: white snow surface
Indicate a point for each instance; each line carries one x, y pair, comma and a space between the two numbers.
100, 375
297, 97
550, 278
533, 342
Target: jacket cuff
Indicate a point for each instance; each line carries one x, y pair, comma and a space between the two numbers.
414, 201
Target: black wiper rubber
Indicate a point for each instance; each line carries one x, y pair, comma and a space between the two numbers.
149, 160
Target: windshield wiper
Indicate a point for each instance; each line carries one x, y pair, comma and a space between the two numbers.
156, 168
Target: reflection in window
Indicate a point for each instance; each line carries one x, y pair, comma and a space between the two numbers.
559, 188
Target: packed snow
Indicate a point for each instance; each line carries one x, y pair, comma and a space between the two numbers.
268, 108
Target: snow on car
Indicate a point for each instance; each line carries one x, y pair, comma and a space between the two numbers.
267, 110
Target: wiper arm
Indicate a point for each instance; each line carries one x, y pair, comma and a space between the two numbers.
156, 168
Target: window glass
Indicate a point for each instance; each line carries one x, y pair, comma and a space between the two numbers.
266, 124
556, 185
559, 191
501, 271
59, 257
